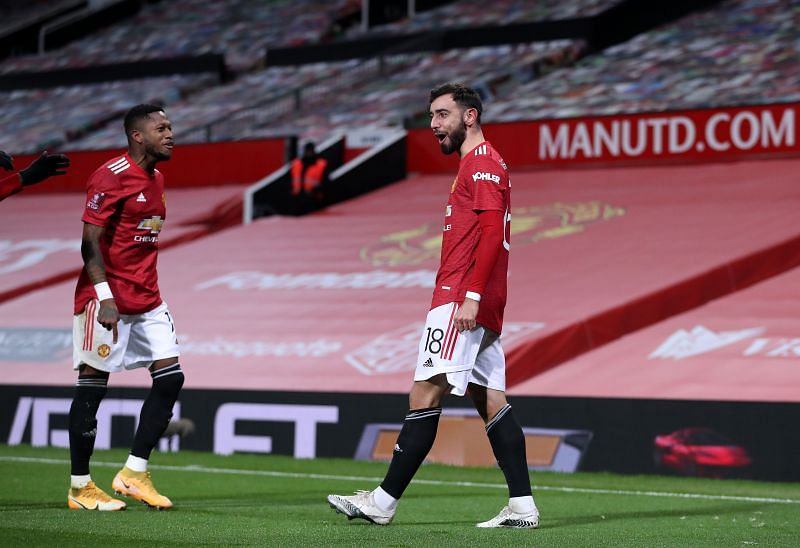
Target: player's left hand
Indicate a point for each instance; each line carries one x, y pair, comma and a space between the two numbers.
43, 167
108, 316
464, 319
6, 161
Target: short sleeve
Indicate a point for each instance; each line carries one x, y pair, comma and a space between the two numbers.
490, 184
103, 193
10, 185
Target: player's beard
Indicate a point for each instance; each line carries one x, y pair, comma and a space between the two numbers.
454, 139
160, 154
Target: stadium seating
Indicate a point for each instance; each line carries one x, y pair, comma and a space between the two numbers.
740, 52
216, 103
336, 97
239, 28
475, 13
13, 14
39, 118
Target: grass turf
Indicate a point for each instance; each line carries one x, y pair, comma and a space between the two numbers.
278, 501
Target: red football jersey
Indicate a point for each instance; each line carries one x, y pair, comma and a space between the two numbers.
10, 185
130, 203
482, 184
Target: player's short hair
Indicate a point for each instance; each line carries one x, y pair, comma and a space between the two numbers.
463, 96
137, 113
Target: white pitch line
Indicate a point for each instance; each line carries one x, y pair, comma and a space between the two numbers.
276, 474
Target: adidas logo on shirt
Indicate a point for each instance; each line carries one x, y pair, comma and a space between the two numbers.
428, 363
141, 197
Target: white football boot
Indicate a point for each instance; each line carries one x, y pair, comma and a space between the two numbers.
509, 518
361, 505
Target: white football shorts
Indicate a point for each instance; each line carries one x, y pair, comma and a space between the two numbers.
141, 339
473, 356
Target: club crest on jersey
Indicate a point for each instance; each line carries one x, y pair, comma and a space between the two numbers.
96, 201
483, 176
153, 224
103, 350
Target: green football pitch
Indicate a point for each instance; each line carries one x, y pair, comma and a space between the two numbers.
278, 501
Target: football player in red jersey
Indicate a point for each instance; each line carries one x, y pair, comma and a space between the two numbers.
120, 320
460, 348
46, 165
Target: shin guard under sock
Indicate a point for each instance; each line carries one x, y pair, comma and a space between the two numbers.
89, 392
413, 444
508, 444
157, 409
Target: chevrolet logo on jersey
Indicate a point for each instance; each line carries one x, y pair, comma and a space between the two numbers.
153, 224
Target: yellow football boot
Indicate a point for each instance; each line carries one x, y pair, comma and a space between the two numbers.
91, 497
139, 486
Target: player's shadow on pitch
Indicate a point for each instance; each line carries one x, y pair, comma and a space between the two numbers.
611, 516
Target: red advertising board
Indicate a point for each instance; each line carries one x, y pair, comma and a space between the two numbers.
692, 135
192, 165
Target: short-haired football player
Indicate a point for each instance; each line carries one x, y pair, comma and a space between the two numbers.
120, 319
460, 351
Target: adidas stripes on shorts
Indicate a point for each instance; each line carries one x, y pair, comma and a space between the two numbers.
141, 339
473, 356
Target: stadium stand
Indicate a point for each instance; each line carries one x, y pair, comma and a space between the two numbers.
13, 14
206, 116
32, 119
377, 92
475, 13
739, 52
239, 28
402, 90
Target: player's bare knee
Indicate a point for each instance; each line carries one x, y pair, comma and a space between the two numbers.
477, 394
85, 369
495, 401
429, 393
158, 364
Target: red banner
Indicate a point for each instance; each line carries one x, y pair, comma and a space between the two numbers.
192, 165
693, 135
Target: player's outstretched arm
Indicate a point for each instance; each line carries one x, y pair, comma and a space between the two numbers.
43, 167
107, 315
